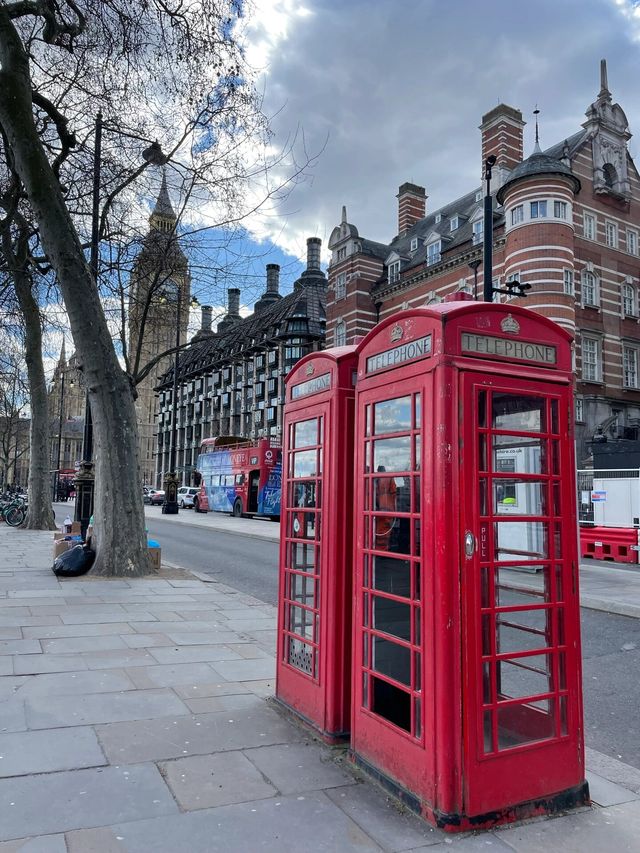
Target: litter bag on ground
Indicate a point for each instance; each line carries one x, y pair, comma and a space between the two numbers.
74, 562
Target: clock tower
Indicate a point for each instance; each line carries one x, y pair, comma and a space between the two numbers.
160, 272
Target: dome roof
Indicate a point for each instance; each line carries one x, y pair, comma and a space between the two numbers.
538, 164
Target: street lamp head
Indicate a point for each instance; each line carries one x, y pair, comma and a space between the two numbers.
154, 156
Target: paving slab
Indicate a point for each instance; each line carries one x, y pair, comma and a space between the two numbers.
173, 737
276, 825
204, 690
13, 717
194, 654
43, 844
606, 793
45, 632
170, 675
117, 658
390, 827
589, 831
145, 641
246, 670
6, 665
69, 645
211, 704
202, 638
48, 712
208, 781
59, 802
22, 753
71, 683
298, 767
42, 663
20, 647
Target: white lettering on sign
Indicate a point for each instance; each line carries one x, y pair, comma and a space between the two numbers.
313, 386
405, 352
508, 348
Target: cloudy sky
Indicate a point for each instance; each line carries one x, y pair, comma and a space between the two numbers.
394, 90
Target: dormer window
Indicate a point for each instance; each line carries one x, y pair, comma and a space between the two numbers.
478, 230
438, 217
342, 253
454, 223
394, 272
433, 253
414, 244
479, 195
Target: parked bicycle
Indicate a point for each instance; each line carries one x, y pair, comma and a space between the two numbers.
13, 509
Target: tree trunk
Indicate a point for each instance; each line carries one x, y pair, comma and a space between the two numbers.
119, 513
40, 513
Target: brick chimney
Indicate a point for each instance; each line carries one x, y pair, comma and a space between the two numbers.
313, 253
501, 131
412, 205
206, 311
234, 301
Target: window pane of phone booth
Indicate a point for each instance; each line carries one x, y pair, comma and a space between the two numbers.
391, 573
520, 628
392, 416
302, 529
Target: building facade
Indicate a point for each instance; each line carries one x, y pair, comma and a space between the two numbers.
231, 381
566, 221
66, 413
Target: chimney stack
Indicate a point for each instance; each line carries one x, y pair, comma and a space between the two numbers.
313, 253
412, 206
234, 302
502, 136
273, 278
207, 312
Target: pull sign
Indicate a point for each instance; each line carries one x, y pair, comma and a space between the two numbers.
469, 544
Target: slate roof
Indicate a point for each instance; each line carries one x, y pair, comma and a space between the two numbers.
301, 313
538, 163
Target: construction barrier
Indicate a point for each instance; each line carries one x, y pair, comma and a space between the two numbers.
618, 544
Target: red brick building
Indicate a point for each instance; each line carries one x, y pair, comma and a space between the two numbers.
566, 221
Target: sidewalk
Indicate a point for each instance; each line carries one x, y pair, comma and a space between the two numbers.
134, 717
254, 528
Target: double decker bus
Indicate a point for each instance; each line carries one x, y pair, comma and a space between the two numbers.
239, 476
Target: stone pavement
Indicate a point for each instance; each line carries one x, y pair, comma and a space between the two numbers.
254, 528
134, 717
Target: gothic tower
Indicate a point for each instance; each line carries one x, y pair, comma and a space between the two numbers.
160, 285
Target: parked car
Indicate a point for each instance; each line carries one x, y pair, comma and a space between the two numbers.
186, 495
154, 497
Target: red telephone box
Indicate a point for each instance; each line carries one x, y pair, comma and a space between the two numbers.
467, 672
313, 676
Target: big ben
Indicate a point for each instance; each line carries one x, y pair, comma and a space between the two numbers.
159, 273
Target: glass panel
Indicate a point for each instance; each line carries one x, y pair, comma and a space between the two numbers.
555, 458
300, 655
417, 585
416, 494
392, 660
562, 671
303, 557
564, 724
367, 420
301, 622
482, 409
527, 676
556, 492
385, 492
392, 617
523, 631
365, 649
520, 540
391, 575
392, 533
488, 732
417, 626
416, 538
554, 417
519, 497
304, 494
417, 716
518, 412
417, 671
510, 593
303, 525
417, 453
515, 455
305, 433
303, 589
559, 582
392, 416
487, 693
418, 420
482, 452
485, 588
392, 703
487, 634
392, 454
484, 488
304, 464
518, 724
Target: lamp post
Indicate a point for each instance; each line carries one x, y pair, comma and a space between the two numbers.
489, 163
85, 480
474, 266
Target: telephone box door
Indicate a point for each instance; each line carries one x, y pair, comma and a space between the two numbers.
520, 612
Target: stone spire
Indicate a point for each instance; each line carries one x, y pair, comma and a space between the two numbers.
604, 85
62, 361
163, 214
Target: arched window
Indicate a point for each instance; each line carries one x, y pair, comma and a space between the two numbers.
628, 300
589, 288
610, 175
340, 334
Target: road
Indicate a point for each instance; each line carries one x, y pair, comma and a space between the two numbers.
248, 565
611, 644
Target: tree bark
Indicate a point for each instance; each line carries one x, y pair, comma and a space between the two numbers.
119, 513
40, 513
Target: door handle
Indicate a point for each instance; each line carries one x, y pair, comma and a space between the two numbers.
469, 544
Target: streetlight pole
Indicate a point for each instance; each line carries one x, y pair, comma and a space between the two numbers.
170, 505
489, 163
474, 266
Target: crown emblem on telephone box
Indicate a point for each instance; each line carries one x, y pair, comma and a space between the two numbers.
309, 370
510, 325
396, 332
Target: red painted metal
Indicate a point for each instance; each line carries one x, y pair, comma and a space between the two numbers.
618, 544
467, 688
313, 676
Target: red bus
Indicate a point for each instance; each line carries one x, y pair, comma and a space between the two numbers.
239, 476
